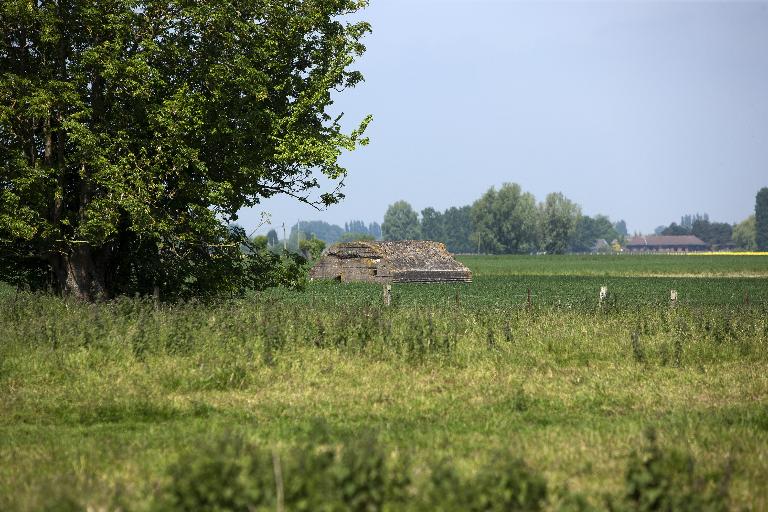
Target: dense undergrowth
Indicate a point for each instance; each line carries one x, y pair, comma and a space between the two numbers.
457, 397
474, 406
258, 330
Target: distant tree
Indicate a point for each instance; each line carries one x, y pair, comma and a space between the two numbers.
585, 236
401, 222
621, 228
674, 229
658, 231
485, 229
356, 226
505, 221
259, 243
687, 220
356, 237
272, 239
559, 217
589, 230
761, 219
713, 233
432, 225
312, 248
457, 228
744, 234
374, 229
328, 233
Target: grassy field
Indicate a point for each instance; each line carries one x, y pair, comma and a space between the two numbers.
683, 265
122, 405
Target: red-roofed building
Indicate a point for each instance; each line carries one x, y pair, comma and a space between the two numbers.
665, 243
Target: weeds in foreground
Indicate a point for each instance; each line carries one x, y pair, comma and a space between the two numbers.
665, 480
232, 474
106, 393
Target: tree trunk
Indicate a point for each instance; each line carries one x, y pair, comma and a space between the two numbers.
81, 273
48, 138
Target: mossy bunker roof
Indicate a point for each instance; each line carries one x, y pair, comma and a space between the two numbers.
406, 261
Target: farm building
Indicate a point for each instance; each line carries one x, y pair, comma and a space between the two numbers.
414, 261
665, 243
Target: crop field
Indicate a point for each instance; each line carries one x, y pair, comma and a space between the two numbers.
670, 265
456, 397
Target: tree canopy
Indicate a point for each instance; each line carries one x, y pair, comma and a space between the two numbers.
675, 229
621, 228
717, 234
432, 224
744, 234
457, 229
132, 131
559, 218
590, 229
505, 221
401, 222
328, 233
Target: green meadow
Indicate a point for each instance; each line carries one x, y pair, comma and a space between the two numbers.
456, 397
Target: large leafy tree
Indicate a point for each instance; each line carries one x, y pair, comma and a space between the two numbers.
713, 233
744, 234
401, 222
674, 230
589, 230
131, 131
432, 225
505, 221
457, 229
559, 218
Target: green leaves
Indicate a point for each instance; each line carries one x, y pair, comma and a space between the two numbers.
401, 222
559, 217
159, 120
505, 221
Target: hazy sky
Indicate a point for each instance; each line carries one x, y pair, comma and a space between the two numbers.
639, 110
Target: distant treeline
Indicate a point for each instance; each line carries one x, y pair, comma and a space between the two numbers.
503, 221
328, 233
718, 235
509, 220
750, 234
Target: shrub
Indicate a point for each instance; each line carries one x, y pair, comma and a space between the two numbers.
504, 484
232, 474
666, 480
229, 474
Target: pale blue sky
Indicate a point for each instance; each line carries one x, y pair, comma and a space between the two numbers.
639, 110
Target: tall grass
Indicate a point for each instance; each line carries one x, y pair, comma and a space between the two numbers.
99, 402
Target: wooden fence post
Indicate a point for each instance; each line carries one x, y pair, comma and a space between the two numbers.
387, 294
603, 294
673, 298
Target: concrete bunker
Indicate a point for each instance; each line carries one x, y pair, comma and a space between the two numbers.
405, 261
